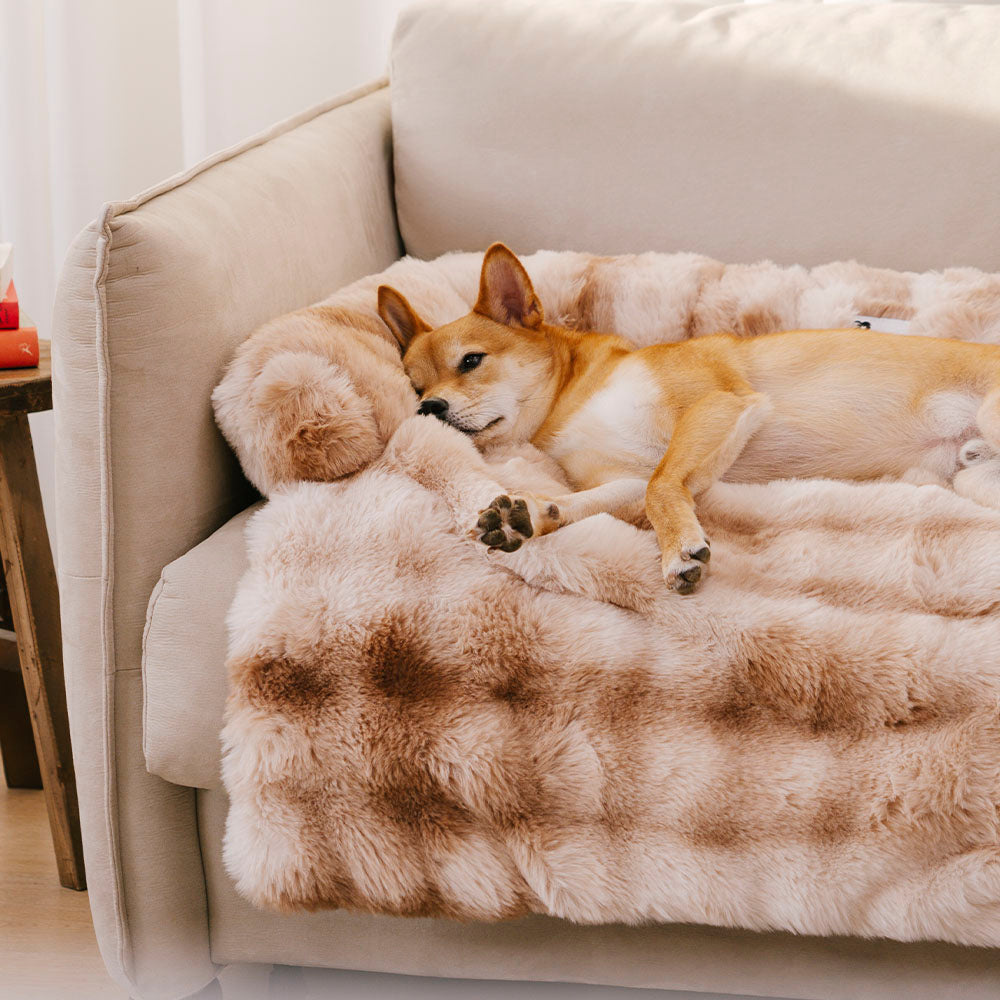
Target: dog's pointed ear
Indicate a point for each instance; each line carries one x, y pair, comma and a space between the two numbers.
506, 294
398, 315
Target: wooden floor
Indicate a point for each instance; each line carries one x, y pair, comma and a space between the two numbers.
47, 944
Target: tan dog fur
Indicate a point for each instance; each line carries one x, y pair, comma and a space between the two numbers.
641, 433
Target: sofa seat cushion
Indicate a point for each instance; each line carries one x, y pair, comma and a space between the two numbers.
184, 657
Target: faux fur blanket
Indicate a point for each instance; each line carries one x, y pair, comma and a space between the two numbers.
811, 742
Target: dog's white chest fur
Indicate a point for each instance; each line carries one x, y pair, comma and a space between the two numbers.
616, 429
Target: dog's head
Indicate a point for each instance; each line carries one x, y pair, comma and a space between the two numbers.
490, 373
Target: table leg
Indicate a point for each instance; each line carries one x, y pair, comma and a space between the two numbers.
34, 602
17, 741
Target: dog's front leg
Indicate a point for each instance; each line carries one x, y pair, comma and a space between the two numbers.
707, 439
511, 519
622, 498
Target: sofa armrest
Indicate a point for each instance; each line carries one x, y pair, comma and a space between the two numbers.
153, 299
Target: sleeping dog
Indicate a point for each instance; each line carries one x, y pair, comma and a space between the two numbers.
641, 433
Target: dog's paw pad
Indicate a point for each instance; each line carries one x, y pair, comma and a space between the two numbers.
975, 451
490, 519
505, 524
519, 518
684, 571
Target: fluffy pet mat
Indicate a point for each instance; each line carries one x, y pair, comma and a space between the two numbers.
811, 742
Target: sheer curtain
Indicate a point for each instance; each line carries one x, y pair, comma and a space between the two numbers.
100, 99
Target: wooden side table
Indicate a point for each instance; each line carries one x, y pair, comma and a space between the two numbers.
38, 694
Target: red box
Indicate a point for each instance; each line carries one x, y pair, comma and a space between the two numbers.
19, 348
10, 312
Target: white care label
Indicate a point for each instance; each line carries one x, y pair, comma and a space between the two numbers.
883, 324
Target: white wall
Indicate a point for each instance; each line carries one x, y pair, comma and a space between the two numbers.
248, 63
101, 99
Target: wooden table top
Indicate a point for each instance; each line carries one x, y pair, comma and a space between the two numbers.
28, 390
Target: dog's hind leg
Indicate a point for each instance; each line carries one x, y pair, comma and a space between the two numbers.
979, 480
988, 418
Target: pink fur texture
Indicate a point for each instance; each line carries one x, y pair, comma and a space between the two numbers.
418, 726
811, 743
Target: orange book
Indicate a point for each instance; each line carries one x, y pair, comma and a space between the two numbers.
19, 348
10, 318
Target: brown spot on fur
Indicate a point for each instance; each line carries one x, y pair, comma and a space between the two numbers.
881, 308
512, 689
587, 301
595, 303
715, 827
430, 903
625, 706
415, 800
286, 684
822, 684
401, 665
333, 888
403, 673
735, 711
835, 820
729, 821
335, 885
628, 700
755, 322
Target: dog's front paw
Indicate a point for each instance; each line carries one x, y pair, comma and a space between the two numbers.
684, 569
508, 521
975, 451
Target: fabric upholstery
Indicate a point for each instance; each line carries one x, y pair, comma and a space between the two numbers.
795, 132
666, 956
184, 655
143, 474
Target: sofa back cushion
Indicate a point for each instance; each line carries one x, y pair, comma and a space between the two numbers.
796, 132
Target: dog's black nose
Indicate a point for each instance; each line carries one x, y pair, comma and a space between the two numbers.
435, 407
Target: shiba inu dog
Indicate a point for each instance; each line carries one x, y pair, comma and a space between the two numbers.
642, 432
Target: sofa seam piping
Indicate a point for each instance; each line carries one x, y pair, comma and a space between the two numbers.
231, 152
103, 249
150, 611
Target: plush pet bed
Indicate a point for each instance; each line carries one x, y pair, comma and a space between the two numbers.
418, 726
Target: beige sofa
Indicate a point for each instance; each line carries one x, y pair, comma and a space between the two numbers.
799, 133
